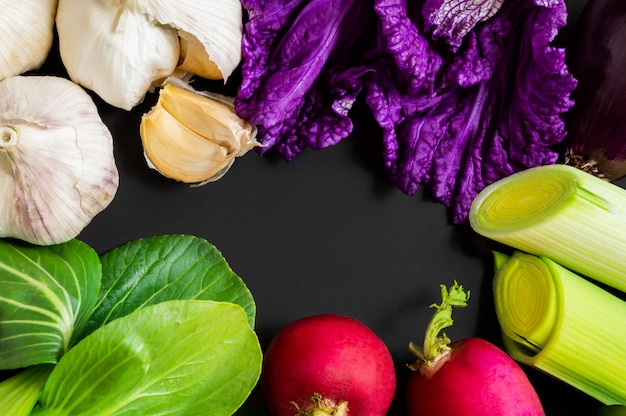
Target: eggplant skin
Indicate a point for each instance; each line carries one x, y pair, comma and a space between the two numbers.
596, 57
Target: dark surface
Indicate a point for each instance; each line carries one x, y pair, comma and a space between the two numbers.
324, 233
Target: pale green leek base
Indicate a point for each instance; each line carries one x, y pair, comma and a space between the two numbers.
562, 324
560, 212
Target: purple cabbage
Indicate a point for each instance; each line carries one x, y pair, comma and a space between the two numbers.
299, 79
459, 120
465, 92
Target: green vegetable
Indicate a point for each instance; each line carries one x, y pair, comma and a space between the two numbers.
149, 270
106, 326
18, 394
560, 212
612, 410
47, 295
132, 366
562, 324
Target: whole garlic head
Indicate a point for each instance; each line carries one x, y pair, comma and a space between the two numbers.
123, 49
57, 168
26, 35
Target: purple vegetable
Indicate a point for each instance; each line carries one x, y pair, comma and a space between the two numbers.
458, 119
299, 78
465, 92
596, 139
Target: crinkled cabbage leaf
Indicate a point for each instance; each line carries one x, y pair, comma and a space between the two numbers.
299, 81
465, 92
457, 121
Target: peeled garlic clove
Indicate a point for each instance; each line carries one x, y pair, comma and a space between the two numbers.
57, 169
26, 35
114, 50
193, 136
215, 24
195, 60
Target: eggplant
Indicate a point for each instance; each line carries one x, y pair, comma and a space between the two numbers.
596, 57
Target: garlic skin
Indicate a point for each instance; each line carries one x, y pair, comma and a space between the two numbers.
216, 24
26, 35
193, 136
195, 60
57, 168
111, 49
122, 49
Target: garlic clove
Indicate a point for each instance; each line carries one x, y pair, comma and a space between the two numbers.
215, 24
57, 169
194, 58
114, 50
26, 35
194, 137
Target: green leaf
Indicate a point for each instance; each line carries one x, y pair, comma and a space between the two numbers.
19, 393
168, 267
46, 296
186, 357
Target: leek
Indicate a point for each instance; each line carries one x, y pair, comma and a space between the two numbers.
562, 324
561, 212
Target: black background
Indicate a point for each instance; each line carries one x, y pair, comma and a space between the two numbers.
326, 232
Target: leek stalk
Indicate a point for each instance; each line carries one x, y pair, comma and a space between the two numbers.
562, 324
561, 212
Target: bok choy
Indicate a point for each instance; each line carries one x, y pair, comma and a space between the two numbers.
562, 324
91, 334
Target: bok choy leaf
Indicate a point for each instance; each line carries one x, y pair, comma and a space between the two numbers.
19, 393
46, 296
166, 267
190, 357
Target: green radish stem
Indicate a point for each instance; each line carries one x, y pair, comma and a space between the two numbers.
436, 349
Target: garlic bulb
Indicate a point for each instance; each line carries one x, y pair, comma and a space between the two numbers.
109, 48
122, 49
57, 169
26, 35
194, 136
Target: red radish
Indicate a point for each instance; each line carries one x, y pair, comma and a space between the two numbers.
467, 377
327, 365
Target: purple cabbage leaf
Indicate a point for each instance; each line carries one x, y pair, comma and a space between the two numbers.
299, 78
457, 120
465, 92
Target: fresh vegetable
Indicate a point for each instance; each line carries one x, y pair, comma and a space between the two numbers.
562, 213
213, 364
26, 47
612, 410
57, 156
562, 324
194, 136
299, 79
457, 118
465, 94
95, 320
467, 377
597, 122
19, 393
327, 364
121, 50
48, 294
